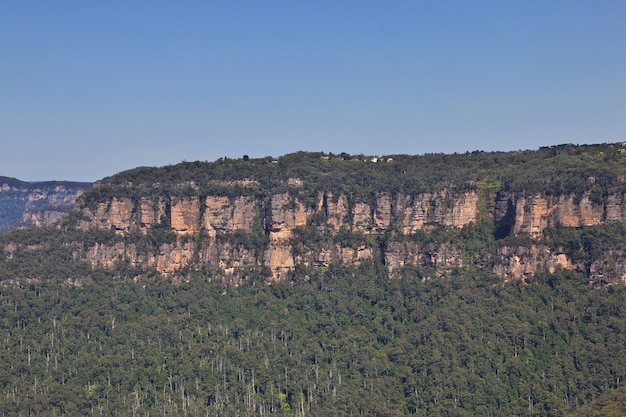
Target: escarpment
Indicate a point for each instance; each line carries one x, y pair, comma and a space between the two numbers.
430, 215
344, 230
532, 214
333, 228
26, 204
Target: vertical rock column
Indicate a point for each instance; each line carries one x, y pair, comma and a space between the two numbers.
285, 215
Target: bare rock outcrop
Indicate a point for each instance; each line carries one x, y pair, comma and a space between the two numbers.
523, 262
285, 214
442, 258
185, 215
223, 214
336, 211
440, 209
151, 212
44, 217
363, 222
534, 213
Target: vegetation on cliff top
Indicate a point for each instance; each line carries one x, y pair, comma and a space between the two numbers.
563, 169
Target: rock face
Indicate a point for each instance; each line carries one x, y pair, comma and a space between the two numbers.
442, 209
440, 259
43, 217
281, 231
532, 214
116, 214
280, 218
36, 204
223, 214
185, 215
285, 215
151, 212
523, 262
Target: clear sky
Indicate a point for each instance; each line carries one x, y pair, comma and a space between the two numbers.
91, 88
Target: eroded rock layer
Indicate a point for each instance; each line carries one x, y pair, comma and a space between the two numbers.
334, 228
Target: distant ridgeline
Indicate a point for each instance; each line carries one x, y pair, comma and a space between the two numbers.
36, 203
509, 214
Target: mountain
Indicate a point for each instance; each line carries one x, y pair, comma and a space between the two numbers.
486, 283
308, 210
36, 203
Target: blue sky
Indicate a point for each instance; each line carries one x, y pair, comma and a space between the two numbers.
91, 88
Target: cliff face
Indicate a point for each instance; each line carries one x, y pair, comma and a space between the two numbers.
339, 229
521, 262
533, 214
281, 217
36, 204
502, 213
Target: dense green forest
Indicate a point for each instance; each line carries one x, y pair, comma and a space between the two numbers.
343, 343
610, 405
336, 342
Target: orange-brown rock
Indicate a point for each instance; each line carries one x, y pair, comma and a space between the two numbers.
280, 259
464, 210
285, 215
328, 214
440, 209
185, 215
170, 258
151, 212
336, 211
361, 218
223, 214
412, 212
120, 213
535, 213
584, 213
523, 262
115, 213
531, 215
382, 214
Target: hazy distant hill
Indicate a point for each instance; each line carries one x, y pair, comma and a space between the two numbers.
36, 203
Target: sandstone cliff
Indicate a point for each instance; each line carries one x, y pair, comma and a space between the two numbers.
532, 214
340, 227
281, 216
425, 215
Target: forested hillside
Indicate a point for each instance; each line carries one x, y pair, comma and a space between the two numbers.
483, 284
343, 342
611, 405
